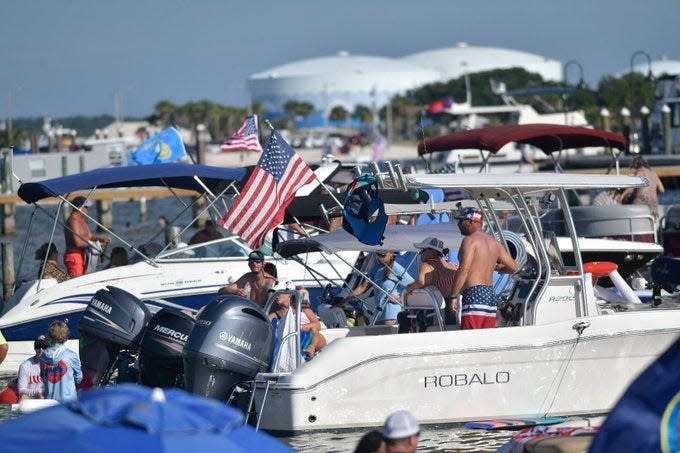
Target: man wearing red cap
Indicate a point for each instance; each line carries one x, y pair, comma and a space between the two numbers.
77, 236
479, 256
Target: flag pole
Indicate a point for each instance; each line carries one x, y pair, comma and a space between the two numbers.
315, 175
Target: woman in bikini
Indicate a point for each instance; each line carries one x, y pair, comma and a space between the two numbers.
435, 271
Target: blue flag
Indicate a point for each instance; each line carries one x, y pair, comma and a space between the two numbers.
166, 146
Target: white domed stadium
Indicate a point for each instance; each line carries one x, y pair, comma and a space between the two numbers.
454, 62
342, 80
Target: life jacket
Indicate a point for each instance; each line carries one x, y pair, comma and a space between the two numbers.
359, 218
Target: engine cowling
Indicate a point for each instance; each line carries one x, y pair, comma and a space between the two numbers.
160, 351
230, 343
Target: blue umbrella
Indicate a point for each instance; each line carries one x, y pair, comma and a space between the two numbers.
135, 418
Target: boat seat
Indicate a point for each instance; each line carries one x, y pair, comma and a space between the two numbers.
429, 301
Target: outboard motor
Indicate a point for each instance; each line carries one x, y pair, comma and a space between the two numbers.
160, 352
113, 322
230, 343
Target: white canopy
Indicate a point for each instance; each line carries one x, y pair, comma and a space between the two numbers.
397, 237
524, 181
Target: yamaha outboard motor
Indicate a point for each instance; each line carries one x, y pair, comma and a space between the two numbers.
113, 322
160, 352
230, 343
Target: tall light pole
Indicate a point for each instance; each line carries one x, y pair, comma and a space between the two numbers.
625, 128
604, 115
564, 79
633, 108
644, 119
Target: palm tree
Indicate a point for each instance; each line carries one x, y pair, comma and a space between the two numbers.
338, 113
165, 111
295, 109
362, 113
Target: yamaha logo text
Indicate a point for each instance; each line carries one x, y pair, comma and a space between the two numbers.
99, 305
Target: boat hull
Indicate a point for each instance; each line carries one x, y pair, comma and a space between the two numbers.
458, 376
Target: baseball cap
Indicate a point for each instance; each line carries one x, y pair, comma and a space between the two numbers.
469, 213
399, 425
256, 255
41, 342
430, 243
81, 201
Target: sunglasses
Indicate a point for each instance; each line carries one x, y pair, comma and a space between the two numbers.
254, 261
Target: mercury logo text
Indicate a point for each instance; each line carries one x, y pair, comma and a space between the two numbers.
171, 333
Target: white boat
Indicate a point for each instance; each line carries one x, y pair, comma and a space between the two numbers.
567, 353
182, 278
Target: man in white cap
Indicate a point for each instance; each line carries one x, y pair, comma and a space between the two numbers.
401, 432
479, 255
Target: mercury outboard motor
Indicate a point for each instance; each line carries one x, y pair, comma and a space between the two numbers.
113, 323
160, 352
230, 343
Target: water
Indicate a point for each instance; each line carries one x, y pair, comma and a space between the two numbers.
432, 439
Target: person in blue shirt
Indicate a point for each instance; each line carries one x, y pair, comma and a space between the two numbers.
60, 366
392, 278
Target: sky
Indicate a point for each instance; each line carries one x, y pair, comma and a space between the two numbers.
70, 57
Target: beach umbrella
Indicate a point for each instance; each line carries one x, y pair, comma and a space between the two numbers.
135, 418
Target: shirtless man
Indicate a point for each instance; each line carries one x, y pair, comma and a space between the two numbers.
479, 255
253, 285
77, 234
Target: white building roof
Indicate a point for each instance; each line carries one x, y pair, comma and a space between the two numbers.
659, 67
342, 63
453, 62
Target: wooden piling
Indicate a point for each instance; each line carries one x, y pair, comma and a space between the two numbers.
196, 208
9, 226
104, 214
142, 211
7, 252
170, 233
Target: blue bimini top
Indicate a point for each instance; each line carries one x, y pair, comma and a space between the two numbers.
176, 176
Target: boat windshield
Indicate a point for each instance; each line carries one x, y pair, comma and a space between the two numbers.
229, 247
219, 248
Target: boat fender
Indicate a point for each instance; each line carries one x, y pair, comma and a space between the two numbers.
606, 268
8, 396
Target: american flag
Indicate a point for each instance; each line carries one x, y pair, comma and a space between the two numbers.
261, 206
245, 138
